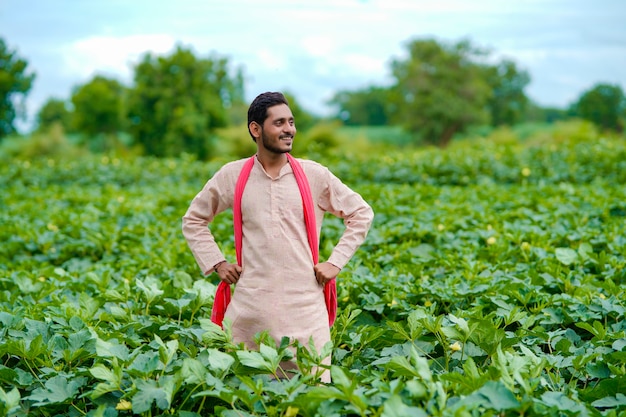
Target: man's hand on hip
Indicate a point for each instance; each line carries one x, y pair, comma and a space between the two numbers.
229, 273
325, 271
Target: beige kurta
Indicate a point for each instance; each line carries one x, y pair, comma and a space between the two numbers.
277, 290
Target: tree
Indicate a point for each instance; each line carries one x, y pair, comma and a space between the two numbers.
508, 102
54, 111
15, 83
537, 113
604, 105
440, 90
98, 106
179, 100
368, 107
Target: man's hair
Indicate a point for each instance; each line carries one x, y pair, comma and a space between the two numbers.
257, 112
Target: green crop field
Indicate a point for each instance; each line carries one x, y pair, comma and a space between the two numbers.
492, 283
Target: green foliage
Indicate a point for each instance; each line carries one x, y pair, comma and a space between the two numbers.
233, 142
51, 143
321, 140
98, 107
492, 283
304, 120
179, 100
440, 90
370, 107
604, 105
54, 111
538, 114
508, 102
15, 83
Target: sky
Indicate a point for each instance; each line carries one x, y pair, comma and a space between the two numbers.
315, 48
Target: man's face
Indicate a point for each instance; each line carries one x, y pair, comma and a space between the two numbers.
279, 129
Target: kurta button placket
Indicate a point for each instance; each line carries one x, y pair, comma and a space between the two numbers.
274, 209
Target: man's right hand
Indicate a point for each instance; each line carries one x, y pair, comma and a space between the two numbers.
229, 273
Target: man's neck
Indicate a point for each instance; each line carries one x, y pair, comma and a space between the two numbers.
272, 162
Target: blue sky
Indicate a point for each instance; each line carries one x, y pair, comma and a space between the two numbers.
315, 48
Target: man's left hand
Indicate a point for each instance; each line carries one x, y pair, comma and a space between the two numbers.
325, 271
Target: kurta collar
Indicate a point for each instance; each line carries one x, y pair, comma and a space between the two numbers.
285, 170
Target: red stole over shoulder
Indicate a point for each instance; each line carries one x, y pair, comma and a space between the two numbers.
222, 295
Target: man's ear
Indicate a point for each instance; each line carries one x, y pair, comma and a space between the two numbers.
255, 129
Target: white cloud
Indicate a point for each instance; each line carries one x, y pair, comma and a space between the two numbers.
319, 46
112, 54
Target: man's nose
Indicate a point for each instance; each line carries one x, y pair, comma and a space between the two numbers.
291, 129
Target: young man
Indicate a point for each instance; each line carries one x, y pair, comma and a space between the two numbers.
278, 286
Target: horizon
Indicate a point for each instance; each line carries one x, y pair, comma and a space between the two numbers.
565, 46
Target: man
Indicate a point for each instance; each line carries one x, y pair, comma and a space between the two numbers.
279, 288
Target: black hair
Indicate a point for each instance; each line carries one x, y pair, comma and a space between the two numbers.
257, 112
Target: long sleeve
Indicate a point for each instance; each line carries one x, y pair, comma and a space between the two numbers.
215, 197
357, 215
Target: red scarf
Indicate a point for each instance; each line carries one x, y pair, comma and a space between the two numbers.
222, 295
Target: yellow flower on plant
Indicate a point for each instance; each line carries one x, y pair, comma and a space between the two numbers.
427, 303
440, 227
525, 246
526, 172
491, 240
124, 405
455, 347
602, 296
292, 411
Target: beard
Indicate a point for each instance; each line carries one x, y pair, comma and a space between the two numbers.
270, 146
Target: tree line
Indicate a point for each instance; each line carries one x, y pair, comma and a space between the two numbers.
178, 100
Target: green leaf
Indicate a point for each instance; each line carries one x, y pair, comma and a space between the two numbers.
566, 256
7, 375
498, 396
9, 401
204, 292
145, 363
149, 391
220, 361
111, 349
394, 407
150, 288
56, 390
401, 366
585, 250
193, 372
559, 401
254, 360
81, 340
619, 344
341, 379
100, 371
610, 402
461, 324
604, 388
270, 354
